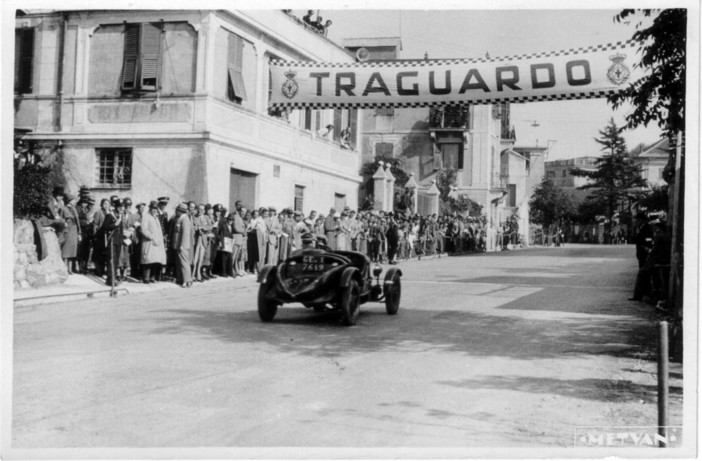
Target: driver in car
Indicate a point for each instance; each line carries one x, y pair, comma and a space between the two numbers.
309, 245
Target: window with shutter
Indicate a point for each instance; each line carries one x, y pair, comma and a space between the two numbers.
150, 56
24, 59
236, 90
299, 197
131, 56
141, 67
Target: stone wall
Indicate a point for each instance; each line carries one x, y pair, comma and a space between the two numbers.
29, 272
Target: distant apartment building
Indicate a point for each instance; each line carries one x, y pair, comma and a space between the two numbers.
472, 139
652, 160
145, 103
559, 172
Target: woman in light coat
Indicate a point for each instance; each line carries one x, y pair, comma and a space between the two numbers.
153, 251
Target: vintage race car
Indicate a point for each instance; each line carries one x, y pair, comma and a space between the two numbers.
327, 280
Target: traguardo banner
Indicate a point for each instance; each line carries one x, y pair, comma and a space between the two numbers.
592, 72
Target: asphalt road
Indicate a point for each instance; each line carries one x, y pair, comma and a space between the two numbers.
513, 349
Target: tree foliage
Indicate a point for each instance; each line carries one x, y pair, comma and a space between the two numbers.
656, 199
615, 173
446, 179
550, 204
396, 168
660, 95
32, 188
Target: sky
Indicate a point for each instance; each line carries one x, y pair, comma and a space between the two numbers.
568, 127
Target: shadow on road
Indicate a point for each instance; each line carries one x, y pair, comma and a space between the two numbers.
606, 390
296, 330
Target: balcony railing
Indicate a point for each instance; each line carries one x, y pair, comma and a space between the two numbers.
449, 117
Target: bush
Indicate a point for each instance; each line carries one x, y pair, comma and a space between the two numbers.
32, 189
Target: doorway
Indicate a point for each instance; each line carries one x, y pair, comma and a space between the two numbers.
242, 186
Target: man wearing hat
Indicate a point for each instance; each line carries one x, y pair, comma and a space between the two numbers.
239, 233
308, 245
652, 278
152, 249
286, 236
130, 251
273, 230
85, 218
392, 236
225, 235
299, 229
182, 244
331, 227
643, 238
110, 233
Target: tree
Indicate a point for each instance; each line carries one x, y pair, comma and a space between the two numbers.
32, 188
656, 199
660, 95
396, 168
549, 204
615, 173
446, 179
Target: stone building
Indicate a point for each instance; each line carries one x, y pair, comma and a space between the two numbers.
174, 103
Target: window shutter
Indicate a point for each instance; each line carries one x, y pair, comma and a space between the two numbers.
131, 56
235, 65
150, 56
353, 123
338, 124
23, 79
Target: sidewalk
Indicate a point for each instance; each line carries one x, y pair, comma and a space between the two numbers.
79, 286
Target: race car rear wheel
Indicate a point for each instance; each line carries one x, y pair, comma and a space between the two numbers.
350, 303
266, 308
392, 288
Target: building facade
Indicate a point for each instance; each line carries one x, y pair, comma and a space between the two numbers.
174, 103
559, 172
652, 160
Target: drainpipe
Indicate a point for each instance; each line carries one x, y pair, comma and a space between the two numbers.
59, 72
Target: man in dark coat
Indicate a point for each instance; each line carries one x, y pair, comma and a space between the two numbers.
392, 236
182, 243
652, 278
643, 238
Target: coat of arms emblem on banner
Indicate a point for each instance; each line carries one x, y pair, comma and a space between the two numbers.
618, 73
290, 85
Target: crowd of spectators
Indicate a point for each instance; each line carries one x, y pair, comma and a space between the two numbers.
198, 242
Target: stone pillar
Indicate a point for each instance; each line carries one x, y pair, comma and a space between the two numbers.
389, 189
433, 194
413, 186
379, 191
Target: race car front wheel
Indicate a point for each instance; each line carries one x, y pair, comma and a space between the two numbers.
266, 307
350, 303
